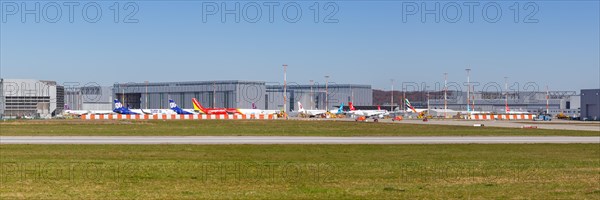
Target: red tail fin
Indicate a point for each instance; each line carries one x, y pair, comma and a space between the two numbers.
378, 107
351, 106
198, 106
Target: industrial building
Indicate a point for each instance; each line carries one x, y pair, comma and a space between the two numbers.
321, 96
29, 98
89, 97
590, 108
239, 94
567, 102
38, 98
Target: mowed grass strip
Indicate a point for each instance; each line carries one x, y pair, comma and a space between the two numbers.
538, 171
257, 128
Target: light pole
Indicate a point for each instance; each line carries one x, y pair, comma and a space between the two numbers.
403, 98
506, 109
468, 89
445, 95
123, 95
392, 102
146, 95
214, 94
284, 88
547, 101
326, 91
428, 110
312, 82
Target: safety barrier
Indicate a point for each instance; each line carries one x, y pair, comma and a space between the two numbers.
179, 117
502, 117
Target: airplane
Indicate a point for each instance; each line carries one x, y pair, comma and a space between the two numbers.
310, 112
122, 110
86, 112
76, 112
508, 111
339, 111
178, 110
367, 113
212, 111
254, 110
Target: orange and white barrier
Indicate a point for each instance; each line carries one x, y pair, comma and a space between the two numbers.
502, 117
179, 117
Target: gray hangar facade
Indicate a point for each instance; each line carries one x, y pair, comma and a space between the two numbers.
239, 94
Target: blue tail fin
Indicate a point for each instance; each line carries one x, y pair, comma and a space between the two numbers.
341, 109
122, 110
176, 108
118, 104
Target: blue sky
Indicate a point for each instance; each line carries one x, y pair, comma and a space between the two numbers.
370, 44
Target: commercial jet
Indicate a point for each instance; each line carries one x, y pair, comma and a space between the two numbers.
212, 111
367, 113
123, 110
97, 112
255, 110
310, 112
313, 113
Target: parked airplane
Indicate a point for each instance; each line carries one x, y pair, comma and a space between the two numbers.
86, 112
508, 111
310, 112
339, 111
178, 110
367, 113
254, 110
123, 110
213, 111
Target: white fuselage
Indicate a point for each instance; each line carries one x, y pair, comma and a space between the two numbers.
369, 113
257, 111
313, 112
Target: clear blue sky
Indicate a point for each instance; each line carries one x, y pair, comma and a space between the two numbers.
369, 45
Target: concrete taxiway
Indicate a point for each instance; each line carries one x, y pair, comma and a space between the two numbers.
293, 140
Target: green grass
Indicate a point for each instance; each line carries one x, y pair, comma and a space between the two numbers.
535, 171
257, 127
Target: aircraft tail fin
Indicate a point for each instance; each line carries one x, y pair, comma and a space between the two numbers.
198, 106
351, 106
118, 104
341, 109
409, 105
172, 104
300, 108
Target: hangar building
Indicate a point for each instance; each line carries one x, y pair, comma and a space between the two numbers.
590, 104
239, 94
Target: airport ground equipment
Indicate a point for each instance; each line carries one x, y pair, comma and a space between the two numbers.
543, 117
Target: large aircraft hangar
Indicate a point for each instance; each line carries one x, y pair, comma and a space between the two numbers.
240, 94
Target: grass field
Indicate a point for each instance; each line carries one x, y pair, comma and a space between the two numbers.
540, 171
256, 127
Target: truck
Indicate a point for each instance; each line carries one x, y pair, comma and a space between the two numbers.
543, 117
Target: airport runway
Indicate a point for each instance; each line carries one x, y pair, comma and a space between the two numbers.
553, 125
292, 140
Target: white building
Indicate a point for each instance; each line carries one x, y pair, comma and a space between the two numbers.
30, 98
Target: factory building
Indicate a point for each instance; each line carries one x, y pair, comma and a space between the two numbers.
91, 97
238, 94
566, 102
29, 98
320, 96
590, 104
